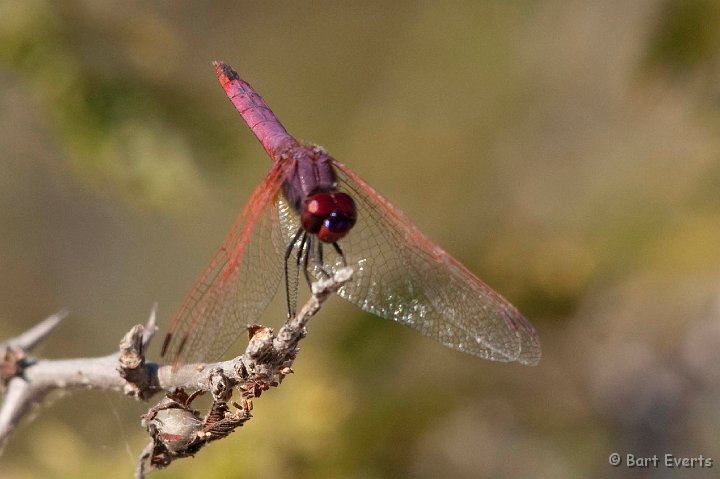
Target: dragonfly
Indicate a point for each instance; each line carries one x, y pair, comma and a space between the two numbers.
311, 215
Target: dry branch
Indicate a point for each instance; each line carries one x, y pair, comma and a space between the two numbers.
175, 428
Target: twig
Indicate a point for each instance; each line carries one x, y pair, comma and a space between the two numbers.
176, 429
33, 336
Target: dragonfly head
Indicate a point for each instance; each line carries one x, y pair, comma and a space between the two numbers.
329, 215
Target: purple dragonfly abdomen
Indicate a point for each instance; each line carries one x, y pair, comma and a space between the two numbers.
261, 120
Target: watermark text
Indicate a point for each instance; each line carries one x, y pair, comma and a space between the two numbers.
666, 461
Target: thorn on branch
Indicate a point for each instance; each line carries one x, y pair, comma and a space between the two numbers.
33, 336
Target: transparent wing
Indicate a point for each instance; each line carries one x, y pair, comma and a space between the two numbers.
401, 275
236, 286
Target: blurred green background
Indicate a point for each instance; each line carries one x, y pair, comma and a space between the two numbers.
568, 152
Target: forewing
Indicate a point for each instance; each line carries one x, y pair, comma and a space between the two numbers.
236, 286
401, 275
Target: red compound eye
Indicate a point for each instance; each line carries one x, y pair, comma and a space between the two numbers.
329, 215
345, 206
320, 204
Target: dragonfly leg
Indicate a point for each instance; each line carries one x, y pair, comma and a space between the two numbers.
301, 250
320, 261
288, 252
313, 248
306, 261
340, 252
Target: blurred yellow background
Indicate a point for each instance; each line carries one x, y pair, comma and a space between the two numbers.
568, 152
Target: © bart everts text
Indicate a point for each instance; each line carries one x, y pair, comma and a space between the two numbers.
668, 460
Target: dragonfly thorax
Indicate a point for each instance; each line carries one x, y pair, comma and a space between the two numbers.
328, 215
